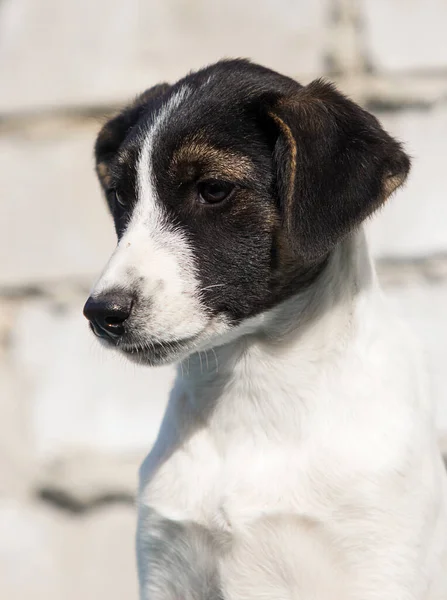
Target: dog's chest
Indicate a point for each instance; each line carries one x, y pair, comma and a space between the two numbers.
303, 491
234, 471
263, 503
230, 487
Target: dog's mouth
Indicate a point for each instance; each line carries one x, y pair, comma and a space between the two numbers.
146, 350
154, 352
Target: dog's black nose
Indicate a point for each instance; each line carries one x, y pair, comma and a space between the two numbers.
107, 314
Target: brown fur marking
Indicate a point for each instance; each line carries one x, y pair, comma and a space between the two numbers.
218, 162
103, 173
391, 184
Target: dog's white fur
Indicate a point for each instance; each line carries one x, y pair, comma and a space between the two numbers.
304, 441
311, 442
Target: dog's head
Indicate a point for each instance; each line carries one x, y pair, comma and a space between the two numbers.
228, 189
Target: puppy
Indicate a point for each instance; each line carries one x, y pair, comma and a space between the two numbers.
297, 458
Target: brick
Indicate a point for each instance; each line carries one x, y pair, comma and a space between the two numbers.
82, 479
405, 35
101, 561
54, 221
413, 222
16, 453
46, 553
424, 308
56, 53
29, 558
81, 397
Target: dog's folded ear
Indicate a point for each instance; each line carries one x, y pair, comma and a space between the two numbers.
116, 129
334, 166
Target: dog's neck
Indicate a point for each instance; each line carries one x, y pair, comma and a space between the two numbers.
289, 347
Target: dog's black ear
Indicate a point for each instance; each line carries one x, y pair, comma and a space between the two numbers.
334, 165
116, 129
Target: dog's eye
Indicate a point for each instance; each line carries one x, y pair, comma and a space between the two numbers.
214, 191
117, 198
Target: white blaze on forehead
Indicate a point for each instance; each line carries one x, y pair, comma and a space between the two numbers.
147, 204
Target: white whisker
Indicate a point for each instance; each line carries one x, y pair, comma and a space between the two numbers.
217, 361
209, 287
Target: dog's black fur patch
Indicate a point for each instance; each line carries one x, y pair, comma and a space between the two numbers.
309, 165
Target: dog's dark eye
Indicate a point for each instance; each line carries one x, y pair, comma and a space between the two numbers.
214, 191
117, 198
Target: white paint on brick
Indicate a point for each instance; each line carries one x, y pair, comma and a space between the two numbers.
45, 554
414, 221
80, 395
405, 35
16, 450
54, 221
59, 53
425, 310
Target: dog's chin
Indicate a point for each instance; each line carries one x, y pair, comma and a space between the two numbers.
153, 354
153, 357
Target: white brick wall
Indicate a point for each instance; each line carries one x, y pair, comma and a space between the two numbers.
75, 420
414, 221
424, 307
405, 35
44, 554
81, 396
83, 52
55, 226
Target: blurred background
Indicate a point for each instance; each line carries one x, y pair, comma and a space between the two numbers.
75, 421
